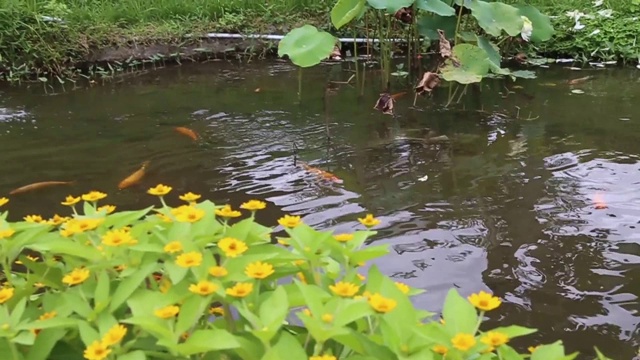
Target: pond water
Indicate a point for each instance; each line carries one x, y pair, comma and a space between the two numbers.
536, 195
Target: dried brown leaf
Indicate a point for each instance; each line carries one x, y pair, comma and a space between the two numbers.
405, 15
385, 104
445, 46
336, 54
428, 82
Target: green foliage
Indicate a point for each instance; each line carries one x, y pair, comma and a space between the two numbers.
190, 282
306, 46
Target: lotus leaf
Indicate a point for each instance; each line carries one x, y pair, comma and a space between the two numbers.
428, 26
306, 46
494, 17
436, 6
542, 28
468, 65
346, 10
390, 5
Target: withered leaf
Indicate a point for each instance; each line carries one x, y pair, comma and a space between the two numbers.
336, 54
429, 82
445, 46
405, 15
385, 104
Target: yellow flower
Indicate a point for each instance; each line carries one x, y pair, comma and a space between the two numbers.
94, 196
190, 197
32, 258
76, 226
484, 301
218, 271
289, 221
488, 350
173, 247
216, 310
167, 312
361, 277
533, 348
253, 205
440, 349
6, 294
343, 237
187, 213
328, 318
369, 221
442, 321
495, 338
165, 285
48, 315
189, 259
96, 351
307, 312
114, 335
463, 342
120, 267
70, 200
159, 190
33, 218
301, 277
226, 211
6, 233
323, 357
76, 276
259, 270
240, 290
283, 242
164, 218
403, 287
118, 238
232, 247
3, 201
299, 262
108, 208
58, 220
39, 285
382, 304
203, 287
344, 289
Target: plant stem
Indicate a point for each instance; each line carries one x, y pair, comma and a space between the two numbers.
15, 355
299, 84
480, 316
455, 40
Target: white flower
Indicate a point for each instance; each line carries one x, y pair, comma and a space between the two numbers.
578, 26
598, 3
605, 13
527, 28
595, 32
575, 14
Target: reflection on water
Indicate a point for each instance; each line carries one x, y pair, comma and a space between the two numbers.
529, 192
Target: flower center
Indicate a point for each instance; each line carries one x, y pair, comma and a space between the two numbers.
483, 303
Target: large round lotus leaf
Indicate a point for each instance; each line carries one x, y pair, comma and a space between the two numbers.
490, 48
542, 28
392, 6
469, 64
495, 16
428, 26
306, 46
436, 6
346, 10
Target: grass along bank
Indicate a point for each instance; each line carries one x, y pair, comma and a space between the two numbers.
54, 39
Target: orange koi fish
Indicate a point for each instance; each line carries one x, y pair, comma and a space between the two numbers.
398, 95
325, 175
187, 132
135, 177
39, 185
599, 202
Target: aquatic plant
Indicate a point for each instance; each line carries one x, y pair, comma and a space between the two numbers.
202, 281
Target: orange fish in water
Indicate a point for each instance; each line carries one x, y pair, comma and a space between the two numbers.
398, 95
599, 202
187, 132
135, 177
321, 173
39, 185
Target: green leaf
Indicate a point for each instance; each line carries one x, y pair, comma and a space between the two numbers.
17, 311
67, 247
77, 304
287, 347
207, 340
190, 311
549, 352
275, 308
125, 218
306, 46
369, 253
437, 7
101, 297
87, 333
542, 28
392, 6
346, 10
129, 285
44, 343
134, 355
473, 64
506, 352
154, 326
350, 311
494, 17
428, 26
524, 74
490, 48
514, 331
600, 355
459, 315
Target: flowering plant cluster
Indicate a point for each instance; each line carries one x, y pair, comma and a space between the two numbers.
185, 282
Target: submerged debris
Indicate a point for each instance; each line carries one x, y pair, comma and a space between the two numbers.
385, 104
429, 82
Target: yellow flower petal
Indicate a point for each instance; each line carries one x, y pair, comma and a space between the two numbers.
159, 190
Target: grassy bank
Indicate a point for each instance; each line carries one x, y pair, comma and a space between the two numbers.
49, 39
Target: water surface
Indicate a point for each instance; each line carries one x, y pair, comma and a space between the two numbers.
511, 204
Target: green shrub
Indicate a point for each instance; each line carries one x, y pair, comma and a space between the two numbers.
197, 282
